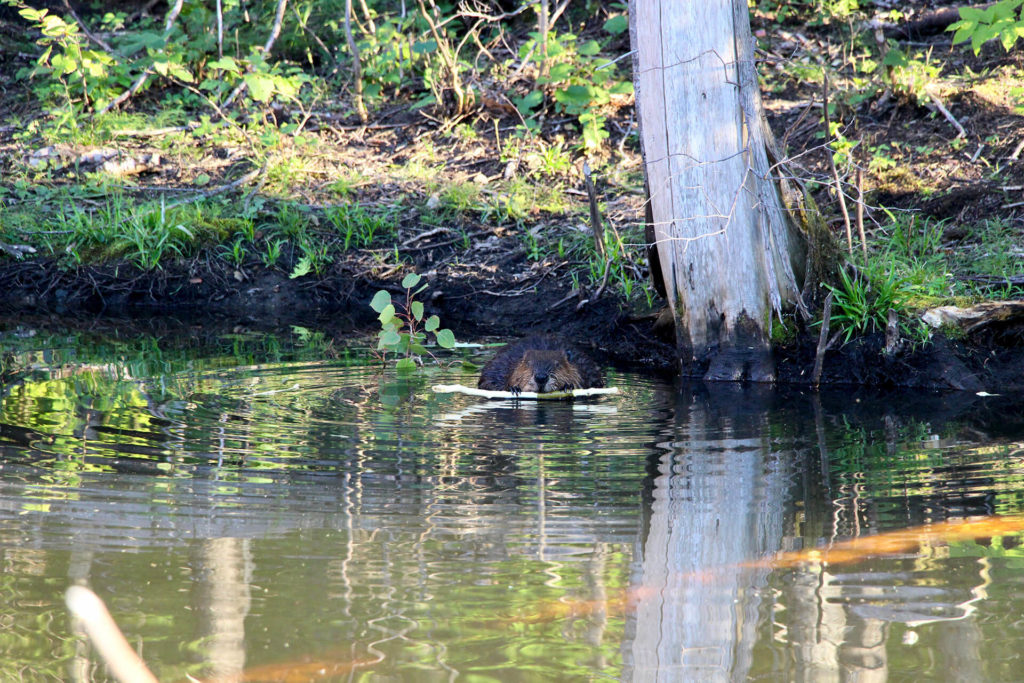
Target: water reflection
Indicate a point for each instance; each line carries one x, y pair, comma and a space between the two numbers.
715, 500
321, 518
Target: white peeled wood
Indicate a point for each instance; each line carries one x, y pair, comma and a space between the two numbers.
722, 236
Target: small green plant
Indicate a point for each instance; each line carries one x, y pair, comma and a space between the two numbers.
234, 253
579, 80
358, 226
861, 306
911, 74
272, 252
403, 329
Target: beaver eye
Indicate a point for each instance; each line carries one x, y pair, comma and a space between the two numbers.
570, 356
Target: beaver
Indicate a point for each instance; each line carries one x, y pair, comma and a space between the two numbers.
541, 364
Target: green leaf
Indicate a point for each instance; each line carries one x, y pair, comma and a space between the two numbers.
32, 15
445, 338
390, 338
201, 179
526, 103
589, 48
410, 280
560, 72
1008, 38
303, 267
261, 86
622, 88
225, 64
418, 349
971, 14
574, 94
405, 365
381, 300
425, 47
417, 310
387, 315
963, 32
433, 322
424, 101
180, 72
617, 24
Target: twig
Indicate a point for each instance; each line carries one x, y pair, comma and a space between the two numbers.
144, 76
153, 132
220, 30
275, 31
312, 33
960, 132
832, 165
595, 217
819, 354
1017, 150
357, 69
860, 214
553, 395
85, 29
565, 298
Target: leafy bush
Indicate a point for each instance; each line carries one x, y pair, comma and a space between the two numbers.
1002, 20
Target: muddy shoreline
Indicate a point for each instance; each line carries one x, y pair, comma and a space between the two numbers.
208, 292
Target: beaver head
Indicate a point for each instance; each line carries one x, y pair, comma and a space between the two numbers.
543, 371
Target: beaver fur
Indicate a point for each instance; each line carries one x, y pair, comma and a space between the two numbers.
541, 364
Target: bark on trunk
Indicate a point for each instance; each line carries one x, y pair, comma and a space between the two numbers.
725, 244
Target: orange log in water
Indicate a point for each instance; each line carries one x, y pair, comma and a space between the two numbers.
302, 671
898, 542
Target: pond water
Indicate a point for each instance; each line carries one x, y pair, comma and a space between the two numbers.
250, 511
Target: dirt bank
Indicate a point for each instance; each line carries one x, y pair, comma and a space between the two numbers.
476, 306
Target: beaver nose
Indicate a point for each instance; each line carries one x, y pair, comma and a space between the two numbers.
541, 378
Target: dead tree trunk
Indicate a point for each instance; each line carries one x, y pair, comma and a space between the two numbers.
725, 243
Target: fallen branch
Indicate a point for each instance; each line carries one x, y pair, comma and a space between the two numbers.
960, 132
532, 395
18, 251
928, 23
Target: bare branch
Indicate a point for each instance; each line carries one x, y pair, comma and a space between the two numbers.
144, 76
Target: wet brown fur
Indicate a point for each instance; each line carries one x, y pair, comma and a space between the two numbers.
540, 364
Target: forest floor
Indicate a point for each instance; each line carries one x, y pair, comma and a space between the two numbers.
495, 227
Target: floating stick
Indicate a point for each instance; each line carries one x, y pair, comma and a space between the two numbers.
532, 395
124, 663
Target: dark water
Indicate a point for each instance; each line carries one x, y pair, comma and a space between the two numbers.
250, 511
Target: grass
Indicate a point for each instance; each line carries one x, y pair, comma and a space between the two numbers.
359, 227
913, 266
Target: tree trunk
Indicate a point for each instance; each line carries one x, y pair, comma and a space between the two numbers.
725, 243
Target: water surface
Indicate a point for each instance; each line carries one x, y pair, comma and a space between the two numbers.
254, 507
